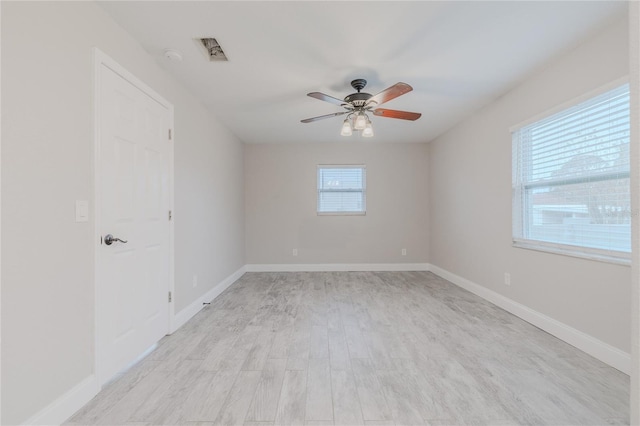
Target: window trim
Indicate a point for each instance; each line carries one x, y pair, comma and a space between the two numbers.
582, 252
364, 189
609, 256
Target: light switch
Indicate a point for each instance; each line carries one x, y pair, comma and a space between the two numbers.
82, 211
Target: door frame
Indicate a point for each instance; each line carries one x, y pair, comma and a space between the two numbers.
101, 59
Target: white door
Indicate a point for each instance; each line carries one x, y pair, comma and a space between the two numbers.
133, 198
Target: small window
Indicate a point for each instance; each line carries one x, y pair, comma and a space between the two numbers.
341, 190
571, 180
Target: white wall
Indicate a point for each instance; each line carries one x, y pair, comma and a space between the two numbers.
280, 191
47, 144
470, 200
209, 203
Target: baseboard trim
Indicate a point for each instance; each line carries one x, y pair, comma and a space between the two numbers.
59, 410
187, 313
606, 353
337, 267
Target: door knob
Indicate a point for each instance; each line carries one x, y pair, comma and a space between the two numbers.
110, 239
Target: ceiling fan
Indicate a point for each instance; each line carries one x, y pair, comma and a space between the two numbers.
358, 104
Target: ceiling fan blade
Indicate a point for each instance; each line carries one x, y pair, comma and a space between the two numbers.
390, 93
322, 117
392, 113
326, 98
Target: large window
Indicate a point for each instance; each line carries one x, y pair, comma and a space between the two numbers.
571, 180
341, 190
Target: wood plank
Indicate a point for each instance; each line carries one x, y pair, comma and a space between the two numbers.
259, 352
338, 350
208, 394
234, 409
319, 342
265, 400
346, 405
293, 398
319, 400
374, 405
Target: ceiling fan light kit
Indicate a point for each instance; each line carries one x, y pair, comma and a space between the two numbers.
367, 132
357, 105
346, 128
361, 121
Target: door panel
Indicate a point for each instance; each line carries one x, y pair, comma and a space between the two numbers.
134, 204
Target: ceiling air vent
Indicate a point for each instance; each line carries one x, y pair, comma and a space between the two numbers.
214, 51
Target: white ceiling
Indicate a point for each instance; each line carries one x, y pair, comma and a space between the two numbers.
457, 56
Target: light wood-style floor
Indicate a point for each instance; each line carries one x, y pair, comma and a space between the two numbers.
353, 348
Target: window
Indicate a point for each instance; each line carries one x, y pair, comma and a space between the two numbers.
571, 180
341, 189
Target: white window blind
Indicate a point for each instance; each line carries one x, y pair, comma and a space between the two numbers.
571, 179
341, 189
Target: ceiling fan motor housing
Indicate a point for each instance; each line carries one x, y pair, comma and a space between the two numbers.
358, 83
358, 99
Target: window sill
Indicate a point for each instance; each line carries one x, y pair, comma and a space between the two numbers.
622, 258
341, 213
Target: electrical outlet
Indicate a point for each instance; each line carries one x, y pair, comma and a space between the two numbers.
295, 252
194, 281
404, 252
507, 278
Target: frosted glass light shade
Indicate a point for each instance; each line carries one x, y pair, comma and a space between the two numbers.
346, 128
361, 122
368, 130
